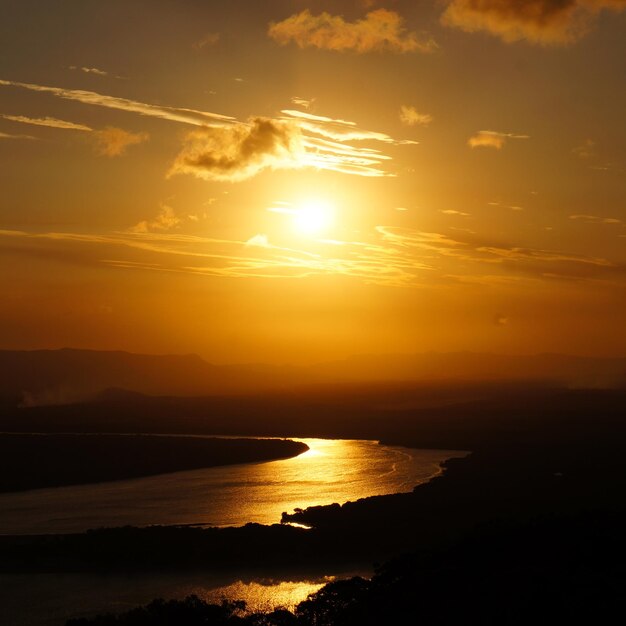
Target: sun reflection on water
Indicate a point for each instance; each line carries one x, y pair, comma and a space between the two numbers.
266, 597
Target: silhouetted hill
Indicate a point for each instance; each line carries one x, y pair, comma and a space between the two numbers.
43, 377
46, 377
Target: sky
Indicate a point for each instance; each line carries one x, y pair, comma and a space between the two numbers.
291, 181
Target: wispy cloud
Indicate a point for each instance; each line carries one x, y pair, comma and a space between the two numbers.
112, 141
258, 240
9, 136
109, 141
595, 219
391, 256
512, 207
586, 150
454, 212
89, 70
209, 40
302, 102
51, 122
174, 114
411, 117
379, 30
546, 22
491, 139
227, 149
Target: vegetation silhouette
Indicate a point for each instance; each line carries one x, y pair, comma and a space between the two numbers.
559, 570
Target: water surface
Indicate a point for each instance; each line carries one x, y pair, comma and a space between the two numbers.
331, 471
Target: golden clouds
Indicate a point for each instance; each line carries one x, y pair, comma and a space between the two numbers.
391, 256
411, 117
241, 150
379, 30
111, 141
491, 139
547, 22
229, 150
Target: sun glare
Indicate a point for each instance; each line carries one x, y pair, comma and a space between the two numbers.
312, 217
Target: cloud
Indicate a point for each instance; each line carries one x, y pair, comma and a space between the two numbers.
546, 22
380, 30
174, 114
8, 136
90, 70
301, 102
504, 206
410, 116
491, 139
595, 219
391, 256
240, 151
453, 212
109, 141
112, 141
259, 241
339, 130
500, 320
210, 39
587, 150
308, 140
51, 122
165, 220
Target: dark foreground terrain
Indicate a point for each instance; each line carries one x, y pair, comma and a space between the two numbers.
556, 570
48, 460
528, 529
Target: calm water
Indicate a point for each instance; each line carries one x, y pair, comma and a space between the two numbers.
331, 471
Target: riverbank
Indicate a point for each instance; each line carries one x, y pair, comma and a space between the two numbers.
36, 461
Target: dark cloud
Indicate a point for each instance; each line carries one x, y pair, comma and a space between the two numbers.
548, 22
240, 151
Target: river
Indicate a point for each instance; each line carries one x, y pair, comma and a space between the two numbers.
330, 471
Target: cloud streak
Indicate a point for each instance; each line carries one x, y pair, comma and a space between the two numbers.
9, 136
379, 30
174, 114
50, 122
491, 139
391, 256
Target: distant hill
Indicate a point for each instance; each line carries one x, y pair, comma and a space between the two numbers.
568, 370
44, 377
67, 376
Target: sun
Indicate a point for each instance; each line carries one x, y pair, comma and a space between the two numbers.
313, 216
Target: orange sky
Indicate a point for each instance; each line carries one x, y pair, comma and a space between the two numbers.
291, 181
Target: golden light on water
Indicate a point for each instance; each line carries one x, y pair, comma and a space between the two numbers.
267, 597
